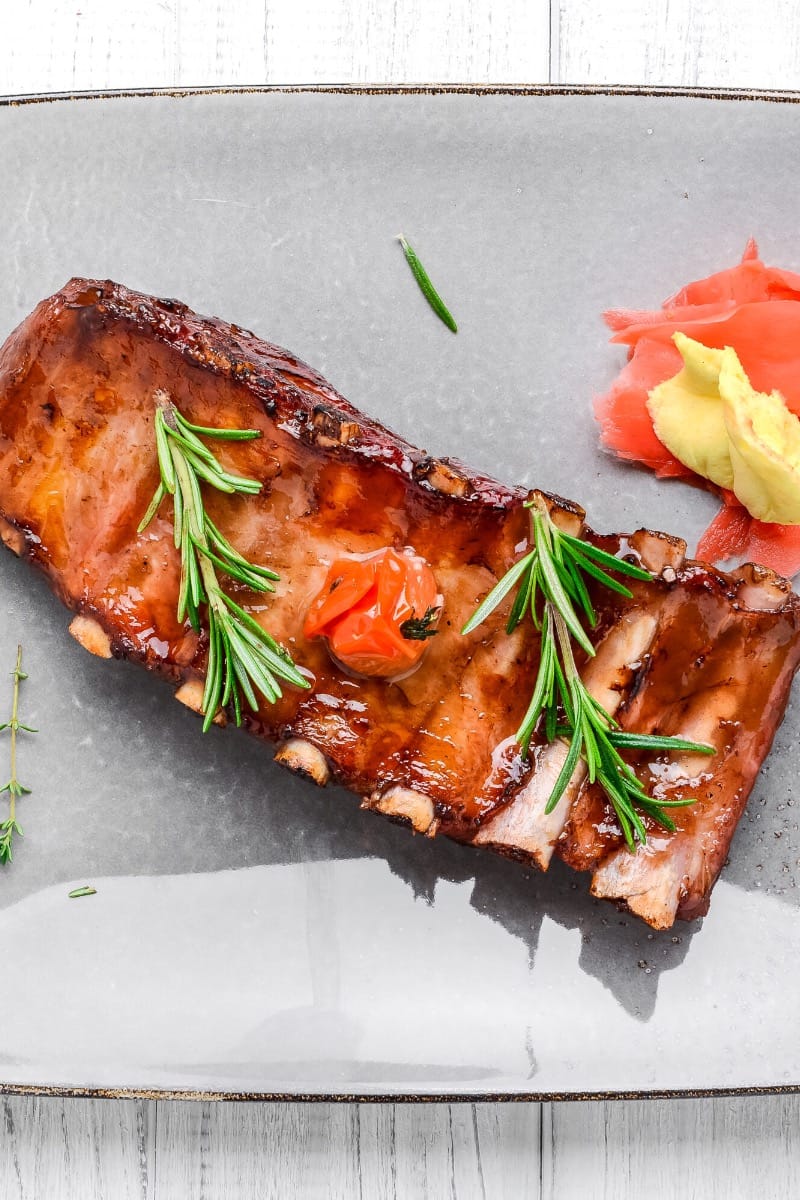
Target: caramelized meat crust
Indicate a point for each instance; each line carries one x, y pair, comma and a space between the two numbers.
695, 652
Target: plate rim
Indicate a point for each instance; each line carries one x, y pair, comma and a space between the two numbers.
390, 1097
544, 90
673, 91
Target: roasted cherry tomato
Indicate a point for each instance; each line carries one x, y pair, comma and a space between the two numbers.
377, 612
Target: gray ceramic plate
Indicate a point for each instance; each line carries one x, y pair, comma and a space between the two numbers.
250, 934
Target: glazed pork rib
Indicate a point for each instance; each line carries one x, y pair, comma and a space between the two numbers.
694, 653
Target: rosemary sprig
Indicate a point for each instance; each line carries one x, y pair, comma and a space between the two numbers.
243, 659
552, 589
14, 788
594, 736
426, 286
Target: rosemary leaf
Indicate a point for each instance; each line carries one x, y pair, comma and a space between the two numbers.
498, 593
221, 435
620, 565
553, 587
522, 601
572, 569
601, 576
651, 741
177, 518
213, 684
215, 478
155, 504
565, 774
426, 287
543, 691
192, 445
622, 739
239, 671
164, 454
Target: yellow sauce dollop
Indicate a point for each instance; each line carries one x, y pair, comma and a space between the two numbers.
713, 420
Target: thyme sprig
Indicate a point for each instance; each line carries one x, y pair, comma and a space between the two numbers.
243, 659
552, 589
15, 789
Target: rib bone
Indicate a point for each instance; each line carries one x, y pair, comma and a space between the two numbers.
407, 805
523, 827
191, 694
90, 634
300, 757
12, 537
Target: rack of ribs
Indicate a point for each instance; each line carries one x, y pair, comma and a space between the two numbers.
694, 652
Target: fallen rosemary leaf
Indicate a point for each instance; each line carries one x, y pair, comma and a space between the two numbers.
76, 893
426, 286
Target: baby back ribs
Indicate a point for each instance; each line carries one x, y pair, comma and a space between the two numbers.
695, 652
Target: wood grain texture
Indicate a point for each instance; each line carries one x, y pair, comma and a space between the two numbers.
107, 1150
380, 1152
408, 41
220, 41
702, 43
73, 44
62, 45
52, 1149
734, 1148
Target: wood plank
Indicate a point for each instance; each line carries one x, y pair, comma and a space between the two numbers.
263, 1151
93, 1149
508, 1143
54, 47
693, 42
731, 1148
342, 1150
219, 42
60, 46
408, 41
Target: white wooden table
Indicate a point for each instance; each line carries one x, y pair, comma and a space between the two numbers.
118, 1150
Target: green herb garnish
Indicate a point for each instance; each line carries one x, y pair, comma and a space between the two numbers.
426, 287
14, 788
417, 629
243, 658
552, 589
78, 892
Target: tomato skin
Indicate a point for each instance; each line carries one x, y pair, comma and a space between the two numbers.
362, 606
